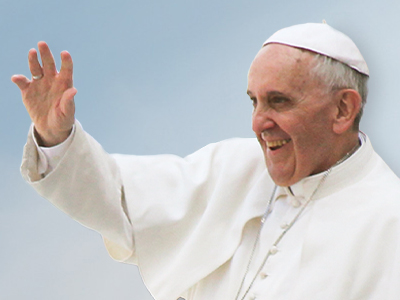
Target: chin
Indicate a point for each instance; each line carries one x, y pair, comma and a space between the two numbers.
284, 179
280, 180
278, 177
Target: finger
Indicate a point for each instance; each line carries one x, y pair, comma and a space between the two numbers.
49, 65
21, 81
66, 67
34, 65
67, 104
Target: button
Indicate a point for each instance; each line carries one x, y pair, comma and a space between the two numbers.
263, 275
284, 225
273, 250
295, 203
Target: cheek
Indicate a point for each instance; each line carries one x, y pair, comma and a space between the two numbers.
311, 145
305, 140
305, 137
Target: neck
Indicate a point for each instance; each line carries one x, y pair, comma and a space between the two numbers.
343, 150
349, 153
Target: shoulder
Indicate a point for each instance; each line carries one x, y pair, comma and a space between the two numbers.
380, 188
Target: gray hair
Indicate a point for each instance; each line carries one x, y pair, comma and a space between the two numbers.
337, 75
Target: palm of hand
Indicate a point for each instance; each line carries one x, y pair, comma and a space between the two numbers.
49, 96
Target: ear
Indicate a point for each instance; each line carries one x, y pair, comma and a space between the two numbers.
348, 103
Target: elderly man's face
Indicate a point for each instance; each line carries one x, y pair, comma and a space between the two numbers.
293, 114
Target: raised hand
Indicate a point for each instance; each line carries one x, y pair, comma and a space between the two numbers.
49, 95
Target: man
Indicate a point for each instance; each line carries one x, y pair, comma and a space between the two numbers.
320, 222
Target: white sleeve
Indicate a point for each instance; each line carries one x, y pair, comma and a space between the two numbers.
49, 157
85, 184
160, 212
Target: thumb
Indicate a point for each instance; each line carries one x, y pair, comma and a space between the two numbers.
21, 81
67, 104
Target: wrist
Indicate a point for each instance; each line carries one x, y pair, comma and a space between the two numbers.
49, 139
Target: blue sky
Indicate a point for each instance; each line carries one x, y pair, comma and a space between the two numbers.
154, 77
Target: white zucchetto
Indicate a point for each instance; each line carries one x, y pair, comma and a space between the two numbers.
323, 39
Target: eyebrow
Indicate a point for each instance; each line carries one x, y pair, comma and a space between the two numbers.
271, 94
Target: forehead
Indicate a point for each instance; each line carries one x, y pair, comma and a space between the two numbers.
280, 67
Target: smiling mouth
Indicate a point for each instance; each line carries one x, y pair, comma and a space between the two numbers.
275, 145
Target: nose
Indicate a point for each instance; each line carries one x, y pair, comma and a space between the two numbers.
262, 120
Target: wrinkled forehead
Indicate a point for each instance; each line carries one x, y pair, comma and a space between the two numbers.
275, 56
284, 69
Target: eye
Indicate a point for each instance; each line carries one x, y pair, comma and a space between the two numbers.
278, 100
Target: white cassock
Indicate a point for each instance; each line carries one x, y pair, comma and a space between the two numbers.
190, 223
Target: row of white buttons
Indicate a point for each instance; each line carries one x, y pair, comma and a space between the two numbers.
263, 275
295, 202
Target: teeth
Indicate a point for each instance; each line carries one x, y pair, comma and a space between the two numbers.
279, 143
